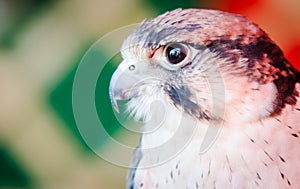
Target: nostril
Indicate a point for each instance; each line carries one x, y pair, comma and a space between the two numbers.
131, 67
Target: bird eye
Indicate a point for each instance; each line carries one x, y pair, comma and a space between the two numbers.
175, 53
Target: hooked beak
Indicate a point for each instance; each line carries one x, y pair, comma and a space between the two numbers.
123, 84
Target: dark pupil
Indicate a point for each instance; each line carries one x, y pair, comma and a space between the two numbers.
175, 55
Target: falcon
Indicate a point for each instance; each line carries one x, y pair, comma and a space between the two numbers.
219, 101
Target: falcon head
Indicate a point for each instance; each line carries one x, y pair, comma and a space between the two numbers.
207, 64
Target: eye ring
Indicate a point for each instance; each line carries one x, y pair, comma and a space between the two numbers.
175, 53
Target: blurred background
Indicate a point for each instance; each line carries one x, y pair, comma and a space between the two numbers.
41, 45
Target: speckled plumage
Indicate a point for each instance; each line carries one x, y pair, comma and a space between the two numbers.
234, 77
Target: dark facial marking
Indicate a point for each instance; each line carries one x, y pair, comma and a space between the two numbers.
181, 97
285, 79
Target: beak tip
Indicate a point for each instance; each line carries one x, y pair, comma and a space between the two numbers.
114, 100
115, 105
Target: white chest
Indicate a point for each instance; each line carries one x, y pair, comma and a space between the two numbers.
265, 154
